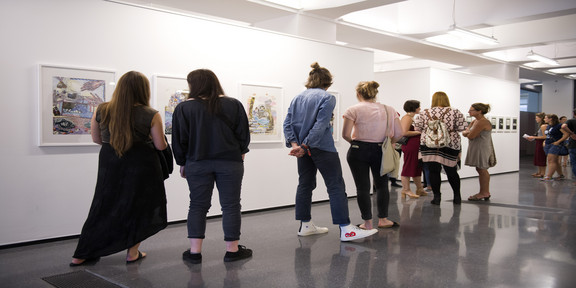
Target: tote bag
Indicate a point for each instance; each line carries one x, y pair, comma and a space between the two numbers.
390, 157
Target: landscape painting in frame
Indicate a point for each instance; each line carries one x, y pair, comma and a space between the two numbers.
263, 104
169, 92
68, 97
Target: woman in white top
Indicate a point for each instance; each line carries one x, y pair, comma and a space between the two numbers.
365, 126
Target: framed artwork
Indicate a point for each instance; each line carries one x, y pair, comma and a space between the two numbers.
494, 121
500, 123
508, 123
335, 121
515, 123
263, 104
68, 97
169, 91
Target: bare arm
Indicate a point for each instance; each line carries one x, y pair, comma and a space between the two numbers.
157, 133
347, 129
405, 123
479, 126
95, 130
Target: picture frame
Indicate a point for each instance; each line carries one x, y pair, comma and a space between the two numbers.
67, 98
335, 121
263, 104
500, 123
169, 91
508, 123
515, 123
494, 121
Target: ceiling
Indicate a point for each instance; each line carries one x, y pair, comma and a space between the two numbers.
404, 33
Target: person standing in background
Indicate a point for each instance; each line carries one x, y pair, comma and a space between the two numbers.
129, 203
210, 137
570, 128
411, 167
539, 137
365, 126
553, 146
308, 133
446, 157
480, 148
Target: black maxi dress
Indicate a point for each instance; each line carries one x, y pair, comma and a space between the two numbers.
129, 202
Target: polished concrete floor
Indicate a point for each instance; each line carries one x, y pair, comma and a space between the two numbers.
524, 237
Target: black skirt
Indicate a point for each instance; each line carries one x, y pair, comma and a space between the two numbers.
129, 203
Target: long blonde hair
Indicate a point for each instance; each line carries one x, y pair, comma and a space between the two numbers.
132, 89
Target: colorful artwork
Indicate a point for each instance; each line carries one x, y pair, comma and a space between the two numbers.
262, 104
175, 99
74, 100
169, 91
68, 98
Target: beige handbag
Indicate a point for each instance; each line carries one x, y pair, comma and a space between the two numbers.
390, 157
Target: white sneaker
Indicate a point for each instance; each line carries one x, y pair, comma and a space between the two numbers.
308, 228
351, 232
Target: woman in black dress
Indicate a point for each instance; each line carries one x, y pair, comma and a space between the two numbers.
129, 203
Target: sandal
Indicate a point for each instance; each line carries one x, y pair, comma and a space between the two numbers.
536, 175
477, 197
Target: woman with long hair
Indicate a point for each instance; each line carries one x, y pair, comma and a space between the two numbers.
365, 126
480, 148
210, 137
129, 203
538, 138
553, 147
446, 157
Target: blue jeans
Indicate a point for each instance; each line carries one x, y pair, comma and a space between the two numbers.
328, 163
364, 158
572, 153
201, 176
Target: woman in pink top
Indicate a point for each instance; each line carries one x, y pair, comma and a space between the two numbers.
365, 126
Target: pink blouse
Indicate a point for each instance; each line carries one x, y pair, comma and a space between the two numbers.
370, 121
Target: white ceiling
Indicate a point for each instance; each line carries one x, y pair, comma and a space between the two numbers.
397, 29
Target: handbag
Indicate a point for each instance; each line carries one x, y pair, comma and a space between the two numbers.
390, 158
166, 160
402, 141
492, 159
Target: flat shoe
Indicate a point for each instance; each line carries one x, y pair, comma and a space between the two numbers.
394, 224
478, 198
140, 257
85, 262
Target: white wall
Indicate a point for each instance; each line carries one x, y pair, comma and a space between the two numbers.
46, 191
557, 97
463, 90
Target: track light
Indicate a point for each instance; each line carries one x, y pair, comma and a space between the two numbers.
472, 35
543, 59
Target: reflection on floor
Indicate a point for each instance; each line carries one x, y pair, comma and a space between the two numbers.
524, 237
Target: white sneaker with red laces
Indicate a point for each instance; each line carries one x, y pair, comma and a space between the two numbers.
351, 232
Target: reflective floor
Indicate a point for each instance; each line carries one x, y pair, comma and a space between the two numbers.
524, 237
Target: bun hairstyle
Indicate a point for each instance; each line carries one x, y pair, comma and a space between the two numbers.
367, 89
483, 108
319, 77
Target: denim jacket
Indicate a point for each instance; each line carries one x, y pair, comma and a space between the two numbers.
308, 120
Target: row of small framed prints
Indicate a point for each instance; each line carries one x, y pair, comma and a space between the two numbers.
500, 123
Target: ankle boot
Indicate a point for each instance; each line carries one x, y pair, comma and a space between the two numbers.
436, 200
457, 198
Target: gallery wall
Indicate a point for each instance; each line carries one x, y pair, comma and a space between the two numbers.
45, 192
463, 90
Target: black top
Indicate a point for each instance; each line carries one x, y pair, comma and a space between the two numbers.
571, 123
198, 135
142, 123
